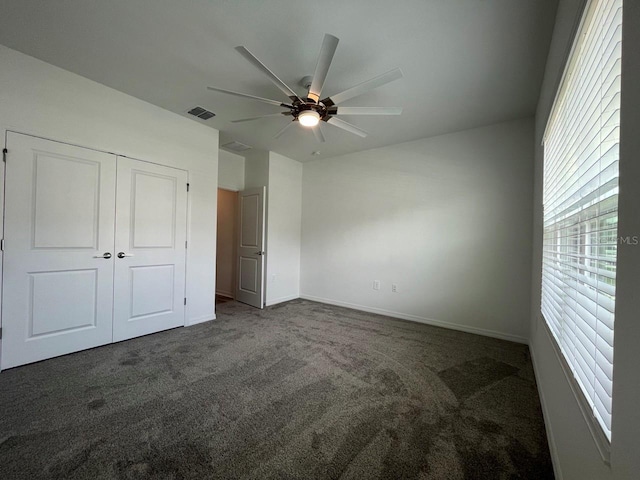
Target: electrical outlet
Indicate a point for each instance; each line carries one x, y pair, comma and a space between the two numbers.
394, 288
376, 284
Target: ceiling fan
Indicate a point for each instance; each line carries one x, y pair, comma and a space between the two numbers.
309, 111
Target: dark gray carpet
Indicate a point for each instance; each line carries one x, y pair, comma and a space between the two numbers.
300, 390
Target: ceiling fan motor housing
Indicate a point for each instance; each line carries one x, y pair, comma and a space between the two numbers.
301, 107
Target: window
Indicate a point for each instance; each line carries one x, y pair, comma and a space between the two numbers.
580, 201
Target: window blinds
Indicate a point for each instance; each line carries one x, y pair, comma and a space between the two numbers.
580, 200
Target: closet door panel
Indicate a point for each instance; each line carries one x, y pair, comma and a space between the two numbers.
151, 223
57, 295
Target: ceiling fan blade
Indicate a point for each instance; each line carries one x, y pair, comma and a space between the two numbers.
259, 117
363, 87
272, 76
368, 111
318, 133
252, 97
328, 49
279, 134
336, 122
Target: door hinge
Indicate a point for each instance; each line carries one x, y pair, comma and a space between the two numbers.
0, 332
185, 300
187, 187
4, 154
2, 245
185, 244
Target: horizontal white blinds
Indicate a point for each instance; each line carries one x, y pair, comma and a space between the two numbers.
581, 206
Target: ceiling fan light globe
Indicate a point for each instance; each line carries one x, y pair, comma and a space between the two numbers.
309, 118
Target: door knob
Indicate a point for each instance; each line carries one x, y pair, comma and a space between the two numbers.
259, 253
122, 254
106, 255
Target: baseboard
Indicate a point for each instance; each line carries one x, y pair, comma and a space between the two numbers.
281, 299
425, 320
202, 319
553, 450
225, 294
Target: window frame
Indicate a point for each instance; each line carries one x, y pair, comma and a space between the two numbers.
600, 438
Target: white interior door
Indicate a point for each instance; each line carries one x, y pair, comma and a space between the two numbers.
150, 248
59, 221
251, 254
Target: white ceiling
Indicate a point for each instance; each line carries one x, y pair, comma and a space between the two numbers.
466, 63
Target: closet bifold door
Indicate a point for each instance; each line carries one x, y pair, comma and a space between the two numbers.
150, 250
57, 294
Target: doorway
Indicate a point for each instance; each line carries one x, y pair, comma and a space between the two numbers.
226, 256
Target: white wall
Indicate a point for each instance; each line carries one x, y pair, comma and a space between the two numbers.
43, 100
284, 211
573, 448
226, 243
448, 219
283, 178
256, 169
230, 171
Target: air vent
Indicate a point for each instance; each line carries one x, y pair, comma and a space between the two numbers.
236, 146
201, 113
